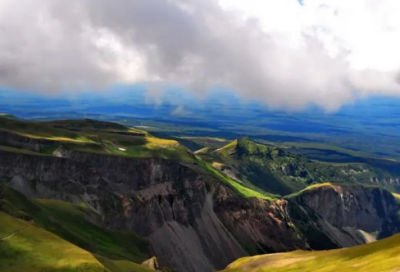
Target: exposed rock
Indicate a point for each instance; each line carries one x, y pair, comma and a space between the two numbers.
193, 222
20, 141
352, 215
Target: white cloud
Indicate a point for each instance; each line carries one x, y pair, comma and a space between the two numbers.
324, 52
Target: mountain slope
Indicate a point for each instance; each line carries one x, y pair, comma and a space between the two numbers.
25, 247
382, 256
278, 171
195, 217
49, 235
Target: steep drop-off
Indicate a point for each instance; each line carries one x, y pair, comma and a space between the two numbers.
195, 217
193, 221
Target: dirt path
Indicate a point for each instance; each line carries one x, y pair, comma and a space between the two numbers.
15, 232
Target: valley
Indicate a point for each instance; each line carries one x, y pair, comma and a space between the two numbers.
131, 201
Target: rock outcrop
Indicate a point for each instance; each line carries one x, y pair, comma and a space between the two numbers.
351, 214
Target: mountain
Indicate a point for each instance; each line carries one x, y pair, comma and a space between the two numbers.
278, 171
86, 174
379, 256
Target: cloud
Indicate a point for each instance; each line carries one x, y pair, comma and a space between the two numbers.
283, 53
180, 111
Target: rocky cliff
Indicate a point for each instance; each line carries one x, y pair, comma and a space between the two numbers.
350, 214
194, 222
165, 201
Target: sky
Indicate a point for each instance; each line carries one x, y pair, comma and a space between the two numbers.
287, 54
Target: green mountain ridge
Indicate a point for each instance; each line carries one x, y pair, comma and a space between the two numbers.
278, 171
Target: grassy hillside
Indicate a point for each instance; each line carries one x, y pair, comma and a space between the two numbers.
244, 190
279, 171
382, 256
90, 136
26, 247
267, 167
58, 236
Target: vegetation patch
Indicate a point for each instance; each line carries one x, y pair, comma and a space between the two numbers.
74, 224
90, 136
235, 185
378, 256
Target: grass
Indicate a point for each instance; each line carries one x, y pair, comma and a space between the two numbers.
282, 172
310, 188
397, 197
323, 146
235, 185
122, 265
228, 149
75, 224
41, 131
87, 124
382, 256
258, 165
95, 137
37, 250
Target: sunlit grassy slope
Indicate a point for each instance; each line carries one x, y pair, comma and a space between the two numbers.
33, 249
309, 188
381, 256
94, 136
58, 236
242, 190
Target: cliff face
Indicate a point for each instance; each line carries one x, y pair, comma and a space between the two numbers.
351, 215
19, 141
162, 200
261, 226
193, 222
